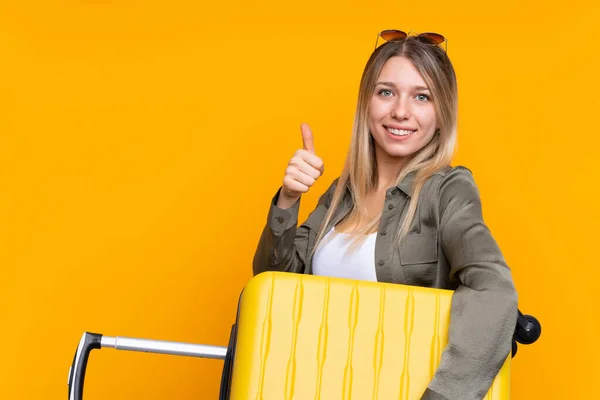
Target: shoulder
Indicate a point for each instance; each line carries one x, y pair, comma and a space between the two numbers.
456, 180
450, 178
455, 188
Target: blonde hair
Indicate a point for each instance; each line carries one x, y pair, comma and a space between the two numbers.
359, 174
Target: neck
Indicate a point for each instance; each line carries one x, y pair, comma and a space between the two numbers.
388, 169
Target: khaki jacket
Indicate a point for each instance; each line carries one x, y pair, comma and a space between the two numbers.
448, 246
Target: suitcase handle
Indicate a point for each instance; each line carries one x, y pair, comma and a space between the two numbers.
228, 365
90, 341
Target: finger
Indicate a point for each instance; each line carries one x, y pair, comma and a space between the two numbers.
312, 160
307, 138
309, 170
302, 178
292, 185
295, 173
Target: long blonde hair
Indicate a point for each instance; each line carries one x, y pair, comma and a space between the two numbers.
359, 174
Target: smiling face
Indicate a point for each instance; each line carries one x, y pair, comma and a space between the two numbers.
402, 116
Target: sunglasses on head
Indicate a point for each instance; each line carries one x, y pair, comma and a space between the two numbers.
432, 38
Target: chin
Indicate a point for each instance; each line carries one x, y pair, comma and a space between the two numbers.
398, 153
401, 154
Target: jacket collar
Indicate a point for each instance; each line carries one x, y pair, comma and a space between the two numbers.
406, 184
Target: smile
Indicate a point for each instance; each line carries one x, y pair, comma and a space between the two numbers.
399, 132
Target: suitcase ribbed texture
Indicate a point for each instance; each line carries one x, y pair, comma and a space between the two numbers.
310, 337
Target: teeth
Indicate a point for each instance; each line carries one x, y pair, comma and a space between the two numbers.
399, 132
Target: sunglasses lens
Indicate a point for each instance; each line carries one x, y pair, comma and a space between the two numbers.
393, 35
433, 37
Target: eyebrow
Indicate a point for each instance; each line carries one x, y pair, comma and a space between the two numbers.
391, 84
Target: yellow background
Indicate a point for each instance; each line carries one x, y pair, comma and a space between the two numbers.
141, 143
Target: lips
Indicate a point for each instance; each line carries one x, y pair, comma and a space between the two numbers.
400, 132
404, 128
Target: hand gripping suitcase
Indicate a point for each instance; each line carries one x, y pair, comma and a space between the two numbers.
310, 337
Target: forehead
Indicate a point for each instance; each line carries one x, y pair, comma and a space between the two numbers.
401, 72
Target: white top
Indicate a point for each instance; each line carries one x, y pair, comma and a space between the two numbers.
333, 259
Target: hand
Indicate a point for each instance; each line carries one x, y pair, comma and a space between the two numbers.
303, 170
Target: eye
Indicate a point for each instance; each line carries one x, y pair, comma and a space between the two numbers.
422, 97
384, 92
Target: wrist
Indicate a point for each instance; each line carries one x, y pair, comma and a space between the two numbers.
284, 201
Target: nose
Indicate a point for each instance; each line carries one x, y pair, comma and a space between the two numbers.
401, 109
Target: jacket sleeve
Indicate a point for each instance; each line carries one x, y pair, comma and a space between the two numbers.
484, 305
283, 245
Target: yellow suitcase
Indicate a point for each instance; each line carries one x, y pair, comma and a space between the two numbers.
310, 337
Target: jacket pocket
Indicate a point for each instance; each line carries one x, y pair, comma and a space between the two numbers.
419, 260
419, 249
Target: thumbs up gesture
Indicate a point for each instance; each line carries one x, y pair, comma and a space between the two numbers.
303, 170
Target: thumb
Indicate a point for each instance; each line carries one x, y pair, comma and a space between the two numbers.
307, 138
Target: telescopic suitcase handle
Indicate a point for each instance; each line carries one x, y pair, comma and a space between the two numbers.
90, 341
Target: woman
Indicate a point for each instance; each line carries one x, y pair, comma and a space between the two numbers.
400, 213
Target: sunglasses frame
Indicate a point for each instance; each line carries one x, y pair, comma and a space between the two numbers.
404, 35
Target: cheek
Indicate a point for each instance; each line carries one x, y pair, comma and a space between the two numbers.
372, 110
377, 110
371, 116
428, 116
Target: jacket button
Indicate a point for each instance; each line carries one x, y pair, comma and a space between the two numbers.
381, 262
390, 206
383, 233
279, 219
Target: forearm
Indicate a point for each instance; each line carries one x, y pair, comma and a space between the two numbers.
277, 246
479, 339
